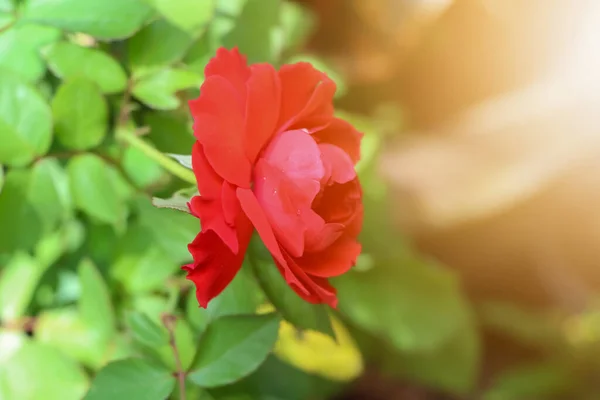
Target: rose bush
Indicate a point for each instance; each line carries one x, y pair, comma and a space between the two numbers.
270, 155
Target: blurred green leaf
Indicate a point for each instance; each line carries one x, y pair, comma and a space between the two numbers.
94, 188
157, 89
145, 330
232, 347
292, 307
172, 230
95, 305
297, 23
66, 239
37, 371
178, 201
20, 47
49, 192
421, 302
158, 44
131, 379
25, 122
189, 15
142, 170
170, 132
254, 30
106, 19
18, 281
80, 114
68, 60
183, 159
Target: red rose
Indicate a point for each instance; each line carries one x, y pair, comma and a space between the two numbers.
271, 156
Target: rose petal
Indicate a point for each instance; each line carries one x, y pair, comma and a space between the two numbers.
338, 164
232, 66
209, 183
262, 108
343, 135
212, 218
333, 260
311, 288
219, 127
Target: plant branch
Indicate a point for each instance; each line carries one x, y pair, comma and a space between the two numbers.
169, 322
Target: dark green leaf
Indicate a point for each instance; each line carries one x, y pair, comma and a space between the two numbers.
25, 122
80, 114
158, 89
68, 60
94, 189
131, 379
232, 347
20, 47
157, 44
170, 132
106, 19
146, 331
189, 15
293, 309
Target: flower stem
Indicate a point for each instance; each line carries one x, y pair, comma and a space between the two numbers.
169, 322
164, 161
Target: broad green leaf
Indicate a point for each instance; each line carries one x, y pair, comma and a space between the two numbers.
95, 306
185, 340
106, 19
189, 15
20, 224
170, 132
94, 189
68, 60
232, 347
158, 44
254, 30
157, 89
53, 245
80, 114
176, 202
293, 309
139, 264
142, 170
20, 50
49, 193
25, 122
18, 281
37, 371
241, 296
131, 379
421, 303
183, 159
172, 230
145, 330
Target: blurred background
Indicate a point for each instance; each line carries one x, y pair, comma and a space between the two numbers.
481, 172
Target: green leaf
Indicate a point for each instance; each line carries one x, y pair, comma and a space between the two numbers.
157, 44
20, 47
25, 122
185, 340
49, 193
293, 309
95, 306
131, 379
106, 19
146, 331
232, 347
158, 89
80, 114
20, 224
297, 24
183, 159
176, 202
18, 281
189, 15
65, 240
37, 371
142, 170
254, 30
170, 132
94, 189
422, 302
171, 230
68, 60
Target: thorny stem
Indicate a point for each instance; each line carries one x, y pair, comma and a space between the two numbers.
169, 322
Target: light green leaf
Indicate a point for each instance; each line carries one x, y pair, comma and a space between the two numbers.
157, 44
142, 170
54, 244
18, 281
171, 230
185, 340
232, 347
19, 50
106, 19
25, 122
230, 8
68, 60
297, 23
293, 309
158, 89
94, 189
95, 306
176, 202
80, 114
37, 371
49, 193
131, 379
146, 331
189, 15
183, 159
